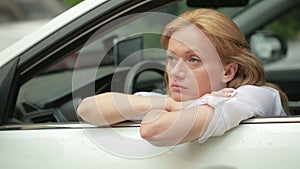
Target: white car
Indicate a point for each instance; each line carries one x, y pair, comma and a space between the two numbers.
99, 46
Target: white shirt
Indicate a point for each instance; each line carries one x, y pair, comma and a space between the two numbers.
246, 102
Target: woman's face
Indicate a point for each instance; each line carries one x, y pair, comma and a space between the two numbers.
193, 65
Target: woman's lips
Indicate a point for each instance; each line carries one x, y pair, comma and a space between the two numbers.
177, 87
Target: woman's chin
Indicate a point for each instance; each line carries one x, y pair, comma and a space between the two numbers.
179, 98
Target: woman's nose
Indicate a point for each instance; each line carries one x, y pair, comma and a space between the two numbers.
178, 71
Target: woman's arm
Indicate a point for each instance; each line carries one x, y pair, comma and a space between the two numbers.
169, 128
166, 123
110, 108
186, 121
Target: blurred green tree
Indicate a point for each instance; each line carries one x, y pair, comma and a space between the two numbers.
71, 3
287, 26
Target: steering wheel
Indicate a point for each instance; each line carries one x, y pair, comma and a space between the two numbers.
137, 69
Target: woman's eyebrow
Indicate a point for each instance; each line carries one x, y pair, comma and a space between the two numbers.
186, 52
170, 52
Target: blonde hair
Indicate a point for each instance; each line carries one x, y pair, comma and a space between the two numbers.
229, 42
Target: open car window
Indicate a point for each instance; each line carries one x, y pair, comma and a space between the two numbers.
99, 64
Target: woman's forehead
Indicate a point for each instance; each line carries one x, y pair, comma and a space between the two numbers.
191, 37
189, 33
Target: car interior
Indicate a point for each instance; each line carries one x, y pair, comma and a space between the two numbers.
120, 62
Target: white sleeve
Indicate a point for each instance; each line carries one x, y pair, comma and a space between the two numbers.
248, 101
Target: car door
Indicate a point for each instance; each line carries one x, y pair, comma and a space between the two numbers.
45, 82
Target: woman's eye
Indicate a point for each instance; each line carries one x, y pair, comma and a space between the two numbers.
171, 58
194, 60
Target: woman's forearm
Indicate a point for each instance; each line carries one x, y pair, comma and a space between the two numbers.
163, 128
110, 108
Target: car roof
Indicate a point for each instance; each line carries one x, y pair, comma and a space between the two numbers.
46, 30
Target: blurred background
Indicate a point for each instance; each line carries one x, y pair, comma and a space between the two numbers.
21, 17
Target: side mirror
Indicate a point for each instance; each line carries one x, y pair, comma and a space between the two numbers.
267, 46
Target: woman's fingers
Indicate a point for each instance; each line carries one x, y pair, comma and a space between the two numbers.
226, 92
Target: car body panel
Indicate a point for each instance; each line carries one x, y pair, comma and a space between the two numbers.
267, 147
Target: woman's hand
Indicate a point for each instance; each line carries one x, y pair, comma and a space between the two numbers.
173, 105
226, 92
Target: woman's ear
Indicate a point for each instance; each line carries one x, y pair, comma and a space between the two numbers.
230, 70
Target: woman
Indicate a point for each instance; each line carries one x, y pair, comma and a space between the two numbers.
214, 83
